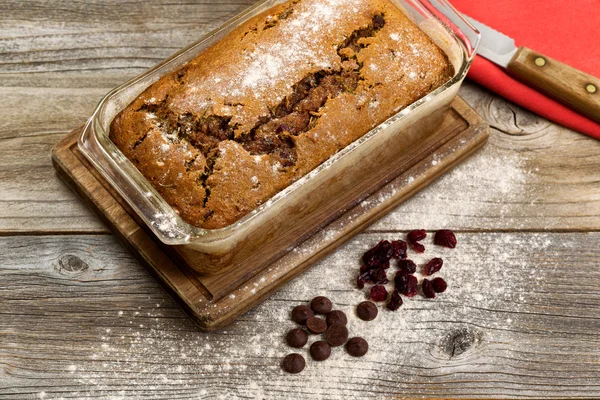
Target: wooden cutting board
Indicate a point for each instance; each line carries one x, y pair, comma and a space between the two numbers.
215, 301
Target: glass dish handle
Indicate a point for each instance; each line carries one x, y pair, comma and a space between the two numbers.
455, 21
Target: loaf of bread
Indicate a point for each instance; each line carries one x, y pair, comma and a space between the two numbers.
274, 99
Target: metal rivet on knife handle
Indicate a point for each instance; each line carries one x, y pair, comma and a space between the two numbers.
563, 82
540, 61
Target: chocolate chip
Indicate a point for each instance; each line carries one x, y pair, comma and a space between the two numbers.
357, 347
336, 317
297, 338
320, 350
367, 311
321, 305
293, 363
336, 335
301, 313
316, 325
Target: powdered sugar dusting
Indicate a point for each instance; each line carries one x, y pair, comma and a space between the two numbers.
268, 61
264, 65
165, 147
493, 182
263, 68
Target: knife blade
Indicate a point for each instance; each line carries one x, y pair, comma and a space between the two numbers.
568, 85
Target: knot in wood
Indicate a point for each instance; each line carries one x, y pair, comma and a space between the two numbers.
69, 264
513, 120
460, 341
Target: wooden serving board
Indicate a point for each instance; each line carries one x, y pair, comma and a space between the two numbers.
215, 301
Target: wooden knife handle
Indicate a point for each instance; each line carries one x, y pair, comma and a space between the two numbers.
566, 84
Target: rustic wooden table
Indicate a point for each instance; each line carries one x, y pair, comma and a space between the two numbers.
80, 318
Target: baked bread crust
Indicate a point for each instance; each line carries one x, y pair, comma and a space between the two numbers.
272, 100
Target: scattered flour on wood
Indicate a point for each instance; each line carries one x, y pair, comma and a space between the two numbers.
489, 185
490, 279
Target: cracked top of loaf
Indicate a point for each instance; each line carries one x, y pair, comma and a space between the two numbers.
272, 100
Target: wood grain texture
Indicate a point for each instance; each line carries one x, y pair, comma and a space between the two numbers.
574, 88
41, 37
551, 169
81, 319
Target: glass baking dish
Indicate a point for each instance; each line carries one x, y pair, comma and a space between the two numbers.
292, 214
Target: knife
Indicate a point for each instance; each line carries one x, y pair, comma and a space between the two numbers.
573, 88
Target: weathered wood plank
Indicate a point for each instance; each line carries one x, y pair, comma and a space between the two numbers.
67, 16
112, 36
545, 179
538, 181
57, 59
81, 319
32, 197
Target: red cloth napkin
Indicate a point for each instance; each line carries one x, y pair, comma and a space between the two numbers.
567, 31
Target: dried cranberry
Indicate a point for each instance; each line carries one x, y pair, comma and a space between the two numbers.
433, 266
439, 285
378, 255
407, 266
412, 287
365, 268
400, 247
417, 235
406, 284
384, 265
385, 249
363, 278
378, 293
427, 288
446, 238
395, 301
401, 281
369, 261
418, 247
379, 276
360, 282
